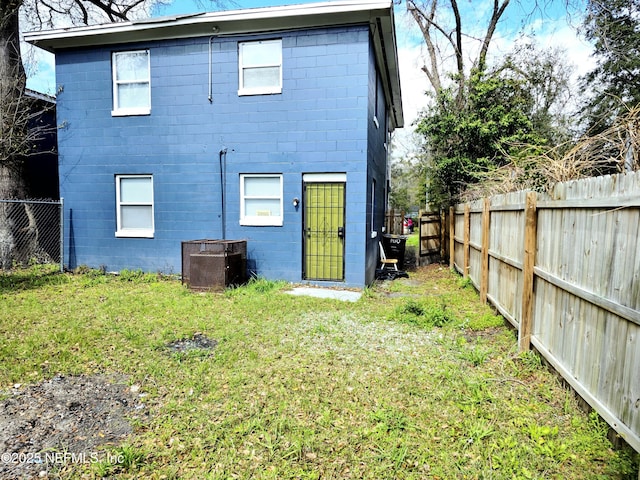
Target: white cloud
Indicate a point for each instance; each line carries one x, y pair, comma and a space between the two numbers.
413, 82
414, 85
578, 50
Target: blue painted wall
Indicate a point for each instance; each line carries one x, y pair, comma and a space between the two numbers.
322, 122
377, 167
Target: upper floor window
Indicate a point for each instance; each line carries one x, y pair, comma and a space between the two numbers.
134, 206
131, 83
260, 67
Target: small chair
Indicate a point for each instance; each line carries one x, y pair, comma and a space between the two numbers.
384, 261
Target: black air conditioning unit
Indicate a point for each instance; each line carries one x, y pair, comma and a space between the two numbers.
214, 264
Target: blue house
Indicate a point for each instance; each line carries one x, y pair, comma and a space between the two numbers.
268, 125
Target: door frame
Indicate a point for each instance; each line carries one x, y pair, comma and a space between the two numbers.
326, 178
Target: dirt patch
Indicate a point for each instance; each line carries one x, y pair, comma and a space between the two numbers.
197, 342
47, 426
487, 333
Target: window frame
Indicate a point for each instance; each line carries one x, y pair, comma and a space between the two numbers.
124, 111
267, 90
258, 220
133, 232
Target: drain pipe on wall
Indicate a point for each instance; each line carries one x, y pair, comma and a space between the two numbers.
222, 157
211, 39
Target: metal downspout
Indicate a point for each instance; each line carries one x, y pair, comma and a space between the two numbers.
222, 157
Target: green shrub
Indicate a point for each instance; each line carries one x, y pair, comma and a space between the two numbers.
423, 314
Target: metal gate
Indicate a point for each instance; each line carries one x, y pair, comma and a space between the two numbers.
323, 231
31, 232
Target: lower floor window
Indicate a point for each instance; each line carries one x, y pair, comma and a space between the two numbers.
134, 206
261, 199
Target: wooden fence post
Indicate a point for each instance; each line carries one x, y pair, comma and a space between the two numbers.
452, 238
484, 278
443, 233
467, 233
530, 234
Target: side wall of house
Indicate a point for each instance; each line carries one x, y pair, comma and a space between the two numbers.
377, 167
318, 124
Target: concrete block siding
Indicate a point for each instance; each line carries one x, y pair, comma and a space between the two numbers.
321, 122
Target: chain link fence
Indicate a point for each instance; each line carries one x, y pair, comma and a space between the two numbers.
31, 232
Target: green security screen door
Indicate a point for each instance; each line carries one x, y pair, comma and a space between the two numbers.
324, 231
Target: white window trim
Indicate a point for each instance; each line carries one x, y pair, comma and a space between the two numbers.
122, 112
324, 177
260, 90
260, 221
134, 232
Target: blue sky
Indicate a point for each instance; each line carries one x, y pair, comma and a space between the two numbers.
192, 6
549, 25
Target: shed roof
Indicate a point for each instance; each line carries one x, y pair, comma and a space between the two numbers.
378, 14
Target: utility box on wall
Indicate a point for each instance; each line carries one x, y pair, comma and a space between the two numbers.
213, 264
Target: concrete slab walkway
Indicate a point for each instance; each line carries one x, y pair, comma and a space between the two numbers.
344, 295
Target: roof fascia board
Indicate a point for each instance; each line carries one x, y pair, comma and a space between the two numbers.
40, 96
218, 23
386, 53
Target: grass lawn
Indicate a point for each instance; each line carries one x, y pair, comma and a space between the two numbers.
413, 240
415, 380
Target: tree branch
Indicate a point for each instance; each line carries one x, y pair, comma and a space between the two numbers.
425, 24
498, 10
110, 9
458, 52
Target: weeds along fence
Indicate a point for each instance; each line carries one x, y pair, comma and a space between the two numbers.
31, 232
564, 269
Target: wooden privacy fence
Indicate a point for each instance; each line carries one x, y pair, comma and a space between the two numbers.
564, 269
393, 222
430, 243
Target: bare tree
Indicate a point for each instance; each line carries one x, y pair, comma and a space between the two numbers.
22, 131
443, 37
12, 87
